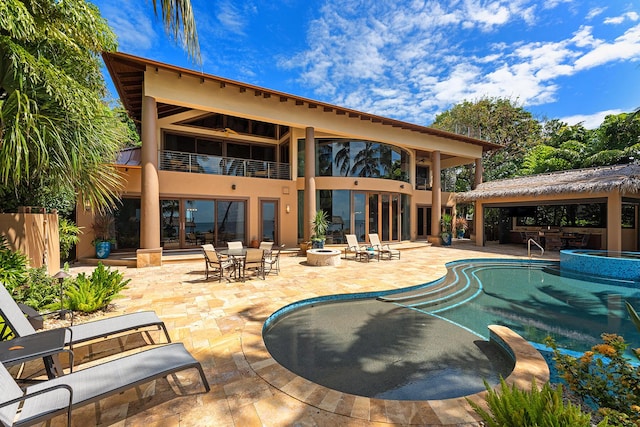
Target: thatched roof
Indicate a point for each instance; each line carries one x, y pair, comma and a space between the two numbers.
625, 178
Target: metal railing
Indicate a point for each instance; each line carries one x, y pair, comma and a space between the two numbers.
217, 165
535, 243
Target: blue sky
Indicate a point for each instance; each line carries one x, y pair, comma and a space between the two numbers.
574, 60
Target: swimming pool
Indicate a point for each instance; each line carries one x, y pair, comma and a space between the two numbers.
372, 335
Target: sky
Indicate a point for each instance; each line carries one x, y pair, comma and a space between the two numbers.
573, 60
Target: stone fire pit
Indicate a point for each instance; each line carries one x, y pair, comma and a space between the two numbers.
323, 257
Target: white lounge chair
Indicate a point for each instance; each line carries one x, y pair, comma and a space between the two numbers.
383, 249
359, 252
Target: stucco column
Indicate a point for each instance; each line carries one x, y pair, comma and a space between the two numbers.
478, 174
309, 181
478, 225
150, 197
614, 221
436, 196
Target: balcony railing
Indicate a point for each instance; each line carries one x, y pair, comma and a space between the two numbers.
201, 163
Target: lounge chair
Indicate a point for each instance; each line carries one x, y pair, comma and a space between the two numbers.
60, 395
383, 249
20, 326
360, 253
215, 264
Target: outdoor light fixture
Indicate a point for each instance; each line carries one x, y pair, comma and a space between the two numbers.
355, 182
401, 185
61, 275
288, 208
233, 186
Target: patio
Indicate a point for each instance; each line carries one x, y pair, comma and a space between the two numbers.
217, 323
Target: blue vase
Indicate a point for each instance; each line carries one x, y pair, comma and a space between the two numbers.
103, 249
317, 244
446, 239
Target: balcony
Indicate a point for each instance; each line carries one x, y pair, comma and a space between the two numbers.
179, 161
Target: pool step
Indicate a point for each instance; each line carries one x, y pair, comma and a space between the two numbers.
456, 287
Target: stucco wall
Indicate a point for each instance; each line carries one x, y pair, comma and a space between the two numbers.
35, 235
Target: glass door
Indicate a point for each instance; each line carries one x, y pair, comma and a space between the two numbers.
359, 216
198, 222
269, 221
424, 221
170, 223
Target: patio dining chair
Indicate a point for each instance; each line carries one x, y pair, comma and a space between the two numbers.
266, 246
83, 332
253, 262
272, 261
360, 253
216, 264
60, 395
383, 249
234, 245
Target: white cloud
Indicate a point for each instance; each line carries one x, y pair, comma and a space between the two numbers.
590, 121
231, 17
632, 16
625, 47
595, 12
550, 4
412, 60
130, 21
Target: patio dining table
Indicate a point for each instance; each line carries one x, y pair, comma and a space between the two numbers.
239, 256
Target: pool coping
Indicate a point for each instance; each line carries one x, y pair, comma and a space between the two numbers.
529, 364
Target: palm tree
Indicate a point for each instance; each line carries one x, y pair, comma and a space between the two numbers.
343, 157
55, 131
365, 163
57, 136
177, 16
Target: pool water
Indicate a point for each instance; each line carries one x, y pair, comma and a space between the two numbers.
431, 341
536, 304
375, 349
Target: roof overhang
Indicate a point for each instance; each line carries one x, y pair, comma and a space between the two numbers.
128, 73
622, 178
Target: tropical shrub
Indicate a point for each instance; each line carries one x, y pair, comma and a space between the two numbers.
69, 236
512, 407
40, 291
95, 292
605, 378
13, 266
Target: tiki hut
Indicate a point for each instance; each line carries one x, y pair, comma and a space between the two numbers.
615, 190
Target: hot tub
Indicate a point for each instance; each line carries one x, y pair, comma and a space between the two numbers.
607, 264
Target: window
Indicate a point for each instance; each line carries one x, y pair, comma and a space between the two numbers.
628, 215
571, 215
357, 158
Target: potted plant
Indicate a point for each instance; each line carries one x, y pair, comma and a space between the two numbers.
445, 229
319, 226
103, 235
461, 227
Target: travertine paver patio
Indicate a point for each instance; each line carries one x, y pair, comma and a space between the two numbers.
212, 319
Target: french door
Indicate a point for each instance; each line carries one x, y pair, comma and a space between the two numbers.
376, 213
424, 221
269, 221
189, 223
